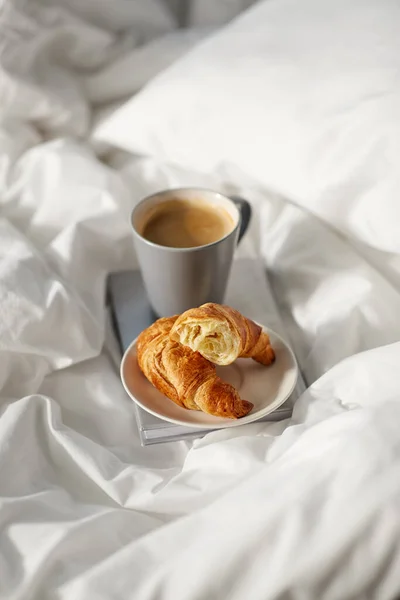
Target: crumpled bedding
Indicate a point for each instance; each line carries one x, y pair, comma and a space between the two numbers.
304, 508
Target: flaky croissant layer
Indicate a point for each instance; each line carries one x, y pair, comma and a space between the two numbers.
185, 376
221, 335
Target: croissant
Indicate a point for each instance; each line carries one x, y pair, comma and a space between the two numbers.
185, 376
221, 334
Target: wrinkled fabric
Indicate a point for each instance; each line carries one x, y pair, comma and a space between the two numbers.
303, 508
302, 96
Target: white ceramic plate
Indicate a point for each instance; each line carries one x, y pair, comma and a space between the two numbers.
266, 387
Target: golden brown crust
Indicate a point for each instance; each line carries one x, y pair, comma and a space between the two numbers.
262, 351
185, 376
227, 335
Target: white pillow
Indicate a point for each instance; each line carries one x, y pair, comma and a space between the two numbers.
303, 96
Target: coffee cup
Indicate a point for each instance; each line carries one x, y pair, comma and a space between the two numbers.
185, 241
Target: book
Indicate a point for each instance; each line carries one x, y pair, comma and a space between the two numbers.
249, 291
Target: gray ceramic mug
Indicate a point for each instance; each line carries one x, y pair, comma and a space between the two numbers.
180, 278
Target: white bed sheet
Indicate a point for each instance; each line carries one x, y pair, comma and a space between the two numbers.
306, 508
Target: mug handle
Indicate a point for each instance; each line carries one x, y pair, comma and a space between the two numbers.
245, 214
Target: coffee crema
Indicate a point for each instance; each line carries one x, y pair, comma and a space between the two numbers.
179, 223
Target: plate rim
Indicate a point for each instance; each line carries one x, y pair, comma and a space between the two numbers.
223, 425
